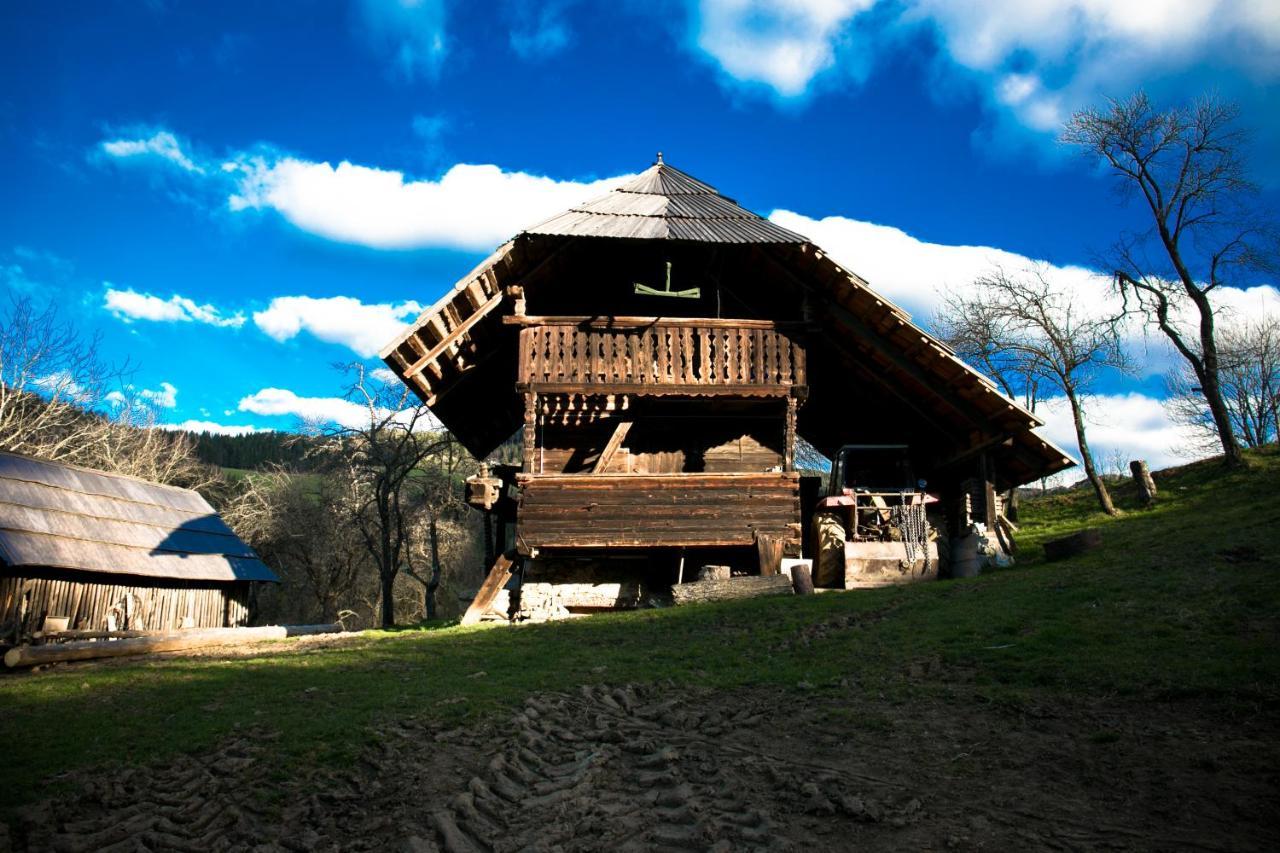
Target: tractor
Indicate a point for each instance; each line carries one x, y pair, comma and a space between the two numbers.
871, 528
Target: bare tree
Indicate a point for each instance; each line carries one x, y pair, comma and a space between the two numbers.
297, 525
1187, 167
1249, 372
49, 375
1039, 332
439, 502
378, 459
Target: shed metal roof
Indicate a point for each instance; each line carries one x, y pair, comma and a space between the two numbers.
66, 517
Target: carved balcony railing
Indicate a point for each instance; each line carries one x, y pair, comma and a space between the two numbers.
676, 356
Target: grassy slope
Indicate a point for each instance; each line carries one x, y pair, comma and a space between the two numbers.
1181, 603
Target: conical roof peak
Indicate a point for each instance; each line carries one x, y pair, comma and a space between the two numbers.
664, 203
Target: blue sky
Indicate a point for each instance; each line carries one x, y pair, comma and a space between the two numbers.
239, 195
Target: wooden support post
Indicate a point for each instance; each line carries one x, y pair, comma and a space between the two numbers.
611, 448
988, 493
789, 437
530, 431
769, 550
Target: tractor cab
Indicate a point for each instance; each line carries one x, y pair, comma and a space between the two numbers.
867, 468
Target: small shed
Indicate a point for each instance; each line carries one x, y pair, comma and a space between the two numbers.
111, 552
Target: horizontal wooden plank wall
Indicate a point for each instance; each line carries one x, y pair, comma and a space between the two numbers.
621, 510
25, 602
666, 353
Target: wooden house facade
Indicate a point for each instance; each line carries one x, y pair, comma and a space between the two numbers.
85, 551
665, 350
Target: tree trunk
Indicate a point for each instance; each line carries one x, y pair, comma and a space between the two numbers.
1086, 457
388, 599
434, 583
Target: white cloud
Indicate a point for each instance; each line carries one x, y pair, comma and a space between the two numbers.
783, 44
336, 319
469, 207
327, 410
162, 147
410, 34
164, 397
323, 410
916, 275
384, 375
1134, 424
130, 305
1038, 60
212, 427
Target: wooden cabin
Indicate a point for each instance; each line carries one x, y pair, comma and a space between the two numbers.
81, 550
665, 352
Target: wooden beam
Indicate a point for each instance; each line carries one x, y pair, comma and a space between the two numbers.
611, 448
453, 337
605, 321
482, 604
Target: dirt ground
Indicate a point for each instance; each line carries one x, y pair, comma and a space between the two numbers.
654, 768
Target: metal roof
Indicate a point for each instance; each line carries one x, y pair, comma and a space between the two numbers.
66, 517
664, 203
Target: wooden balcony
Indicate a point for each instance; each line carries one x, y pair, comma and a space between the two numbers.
648, 355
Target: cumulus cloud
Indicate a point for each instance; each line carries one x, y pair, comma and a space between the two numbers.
212, 427
409, 34
472, 207
327, 410
917, 275
164, 397
783, 44
130, 305
1133, 425
337, 320
1038, 61
162, 147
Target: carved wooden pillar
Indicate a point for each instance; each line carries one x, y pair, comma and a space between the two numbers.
530, 431
789, 437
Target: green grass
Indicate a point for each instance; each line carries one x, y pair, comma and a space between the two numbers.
1180, 604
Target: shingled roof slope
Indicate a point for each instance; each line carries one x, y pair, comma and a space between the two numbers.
664, 203
66, 517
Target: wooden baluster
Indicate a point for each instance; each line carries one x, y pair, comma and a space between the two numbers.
785, 366
744, 356
704, 356
799, 367
664, 354
633, 356
731, 357
686, 355
757, 356
771, 359
644, 369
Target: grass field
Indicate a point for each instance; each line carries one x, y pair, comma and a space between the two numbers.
1182, 604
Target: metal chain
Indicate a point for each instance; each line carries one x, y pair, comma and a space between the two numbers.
913, 527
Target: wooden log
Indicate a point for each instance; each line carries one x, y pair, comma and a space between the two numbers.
482, 605
1070, 546
1142, 479
725, 590
169, 641
584, 596
57, 636
714, 573
801, 579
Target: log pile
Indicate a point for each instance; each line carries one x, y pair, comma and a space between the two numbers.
166, 641
725, 590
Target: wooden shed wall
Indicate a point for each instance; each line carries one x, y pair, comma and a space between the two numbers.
629, 510
26, 601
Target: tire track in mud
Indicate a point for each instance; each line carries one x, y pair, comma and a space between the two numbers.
627, 768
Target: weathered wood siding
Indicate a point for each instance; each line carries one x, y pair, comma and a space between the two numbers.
621, 510
25, 602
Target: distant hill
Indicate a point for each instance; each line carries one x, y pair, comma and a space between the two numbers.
254, 450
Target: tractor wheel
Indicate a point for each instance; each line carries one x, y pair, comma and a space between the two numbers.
829, 534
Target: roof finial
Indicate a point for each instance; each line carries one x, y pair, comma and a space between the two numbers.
659, 158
